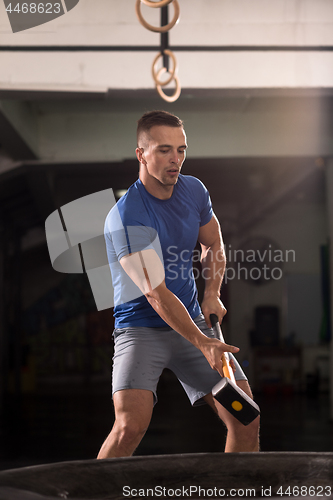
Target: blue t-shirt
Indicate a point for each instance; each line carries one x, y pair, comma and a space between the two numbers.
139, 221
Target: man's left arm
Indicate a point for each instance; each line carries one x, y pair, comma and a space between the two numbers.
213, 260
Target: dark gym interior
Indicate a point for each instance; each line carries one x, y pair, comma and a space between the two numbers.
57, 348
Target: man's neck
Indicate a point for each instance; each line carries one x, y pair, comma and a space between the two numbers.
156, 189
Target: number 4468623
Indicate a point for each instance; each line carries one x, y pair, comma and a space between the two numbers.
305, 491
35, 8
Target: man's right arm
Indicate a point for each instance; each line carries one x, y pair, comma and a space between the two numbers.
147, 272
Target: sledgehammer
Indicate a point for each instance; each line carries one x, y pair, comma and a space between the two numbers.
227, 392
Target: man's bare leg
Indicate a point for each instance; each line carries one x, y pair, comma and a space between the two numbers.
133, 411
240, 437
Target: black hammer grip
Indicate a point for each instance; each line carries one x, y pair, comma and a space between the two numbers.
216, 327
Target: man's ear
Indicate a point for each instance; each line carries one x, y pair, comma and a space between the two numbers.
140, 155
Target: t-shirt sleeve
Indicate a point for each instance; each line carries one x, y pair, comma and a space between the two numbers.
132, 239
207, 210
201, 195
125, 234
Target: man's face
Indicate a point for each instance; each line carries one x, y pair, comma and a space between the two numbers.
161, 153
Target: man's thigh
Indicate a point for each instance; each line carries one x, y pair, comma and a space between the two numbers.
134, 404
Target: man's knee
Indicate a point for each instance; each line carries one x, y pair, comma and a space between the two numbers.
248, 432
133, 409
129, 430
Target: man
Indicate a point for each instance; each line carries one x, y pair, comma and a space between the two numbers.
162, 325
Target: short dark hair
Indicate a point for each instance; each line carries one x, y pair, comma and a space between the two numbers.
152, 118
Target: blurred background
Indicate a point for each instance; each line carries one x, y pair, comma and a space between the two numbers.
257, 102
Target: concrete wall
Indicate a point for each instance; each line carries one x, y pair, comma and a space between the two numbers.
203, 22
243, 125
216, 127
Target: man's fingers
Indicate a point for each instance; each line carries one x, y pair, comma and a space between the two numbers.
219, 367
213, 350
220, 317
230, 348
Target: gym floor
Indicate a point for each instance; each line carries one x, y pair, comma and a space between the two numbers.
60, 424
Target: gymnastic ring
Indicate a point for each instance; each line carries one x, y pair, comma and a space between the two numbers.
158, 29
162, 3
172, 72
171, 98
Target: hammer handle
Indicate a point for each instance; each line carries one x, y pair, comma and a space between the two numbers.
216, 327
227, 370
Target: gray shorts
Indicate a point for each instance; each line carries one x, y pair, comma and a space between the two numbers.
142, 353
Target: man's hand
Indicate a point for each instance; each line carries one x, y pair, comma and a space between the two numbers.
212, 304
213, 350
